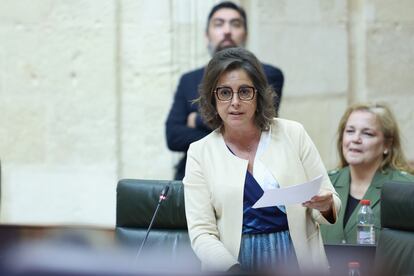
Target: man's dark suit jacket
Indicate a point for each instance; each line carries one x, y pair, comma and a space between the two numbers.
179, 136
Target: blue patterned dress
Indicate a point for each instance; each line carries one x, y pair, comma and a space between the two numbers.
266, 243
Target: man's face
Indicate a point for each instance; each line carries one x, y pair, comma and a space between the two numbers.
225, 29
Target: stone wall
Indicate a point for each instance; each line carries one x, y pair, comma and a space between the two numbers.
85, 87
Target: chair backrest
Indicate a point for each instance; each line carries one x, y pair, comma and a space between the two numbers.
339, 255
135, 205
395, 248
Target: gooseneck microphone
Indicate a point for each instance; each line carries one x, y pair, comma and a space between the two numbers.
163, 196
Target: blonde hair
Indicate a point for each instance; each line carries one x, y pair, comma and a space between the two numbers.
395, 158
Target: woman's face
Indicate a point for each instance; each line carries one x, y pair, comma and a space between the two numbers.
236, 113
363, 141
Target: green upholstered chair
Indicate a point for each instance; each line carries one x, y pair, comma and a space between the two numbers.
395, 247
135, 205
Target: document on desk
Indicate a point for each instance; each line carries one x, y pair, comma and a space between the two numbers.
289, 195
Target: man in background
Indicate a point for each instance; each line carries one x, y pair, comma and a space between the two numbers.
226, 27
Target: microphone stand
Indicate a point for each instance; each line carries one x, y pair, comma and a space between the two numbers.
163, 196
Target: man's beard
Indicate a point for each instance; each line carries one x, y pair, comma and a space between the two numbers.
222, 45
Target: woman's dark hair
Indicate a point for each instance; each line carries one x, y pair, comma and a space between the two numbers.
233, 59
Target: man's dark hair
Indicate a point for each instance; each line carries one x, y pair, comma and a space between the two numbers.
228, 5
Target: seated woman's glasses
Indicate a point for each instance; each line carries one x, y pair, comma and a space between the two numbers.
245, 93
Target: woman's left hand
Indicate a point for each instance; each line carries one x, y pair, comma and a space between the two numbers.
322, 202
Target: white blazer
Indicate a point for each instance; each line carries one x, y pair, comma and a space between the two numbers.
214, 186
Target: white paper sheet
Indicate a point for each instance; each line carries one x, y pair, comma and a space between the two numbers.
289, 195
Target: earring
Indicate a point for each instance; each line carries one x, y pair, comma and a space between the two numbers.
385, 152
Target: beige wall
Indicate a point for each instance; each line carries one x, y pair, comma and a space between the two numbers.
85, 87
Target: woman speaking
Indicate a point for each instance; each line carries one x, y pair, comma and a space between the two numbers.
227, 171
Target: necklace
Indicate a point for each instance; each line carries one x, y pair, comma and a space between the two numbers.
240, 146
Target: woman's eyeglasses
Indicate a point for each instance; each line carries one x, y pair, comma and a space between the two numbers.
245, 93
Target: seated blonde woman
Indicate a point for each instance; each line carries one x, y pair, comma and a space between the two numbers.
370, 153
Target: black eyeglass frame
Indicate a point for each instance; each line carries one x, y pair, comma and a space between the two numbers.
238, 93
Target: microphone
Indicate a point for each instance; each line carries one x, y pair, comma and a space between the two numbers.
163, 196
